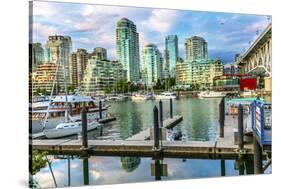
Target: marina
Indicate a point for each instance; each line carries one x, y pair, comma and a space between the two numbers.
136, 147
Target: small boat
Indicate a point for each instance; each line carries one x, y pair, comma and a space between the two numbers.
137, 97
248, 94
211, 94
166, 96
70, 128
114, 97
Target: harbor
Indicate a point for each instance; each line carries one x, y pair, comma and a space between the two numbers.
130, 137
130, 94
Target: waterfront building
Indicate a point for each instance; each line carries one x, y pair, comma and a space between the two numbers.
57, 50
37, 55
198, 73
47, 75
152, 67
77, 65
196, 48
99, 53
171, 55
101, 76
230, 69
127, 47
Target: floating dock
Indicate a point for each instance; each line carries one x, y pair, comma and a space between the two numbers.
167, 124
175, 149
221, 148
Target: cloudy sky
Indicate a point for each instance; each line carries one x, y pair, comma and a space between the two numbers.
91, 26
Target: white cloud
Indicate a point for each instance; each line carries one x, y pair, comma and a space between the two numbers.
45, 9
143, 39
44, 31
161, 20
84, 26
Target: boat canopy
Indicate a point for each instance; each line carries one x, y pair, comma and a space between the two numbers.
243, 100
72, 98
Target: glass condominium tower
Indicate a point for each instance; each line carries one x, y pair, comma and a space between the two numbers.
151, 65
171, 55
196, 48
127, 46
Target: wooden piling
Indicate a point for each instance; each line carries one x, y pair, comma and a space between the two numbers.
171, 108
161, 113
84, 128
240, 127
221, 118
100, 109
257, 156
156, 127
161, 121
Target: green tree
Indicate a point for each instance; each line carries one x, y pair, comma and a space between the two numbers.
38, 160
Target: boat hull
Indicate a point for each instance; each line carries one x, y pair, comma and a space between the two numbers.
36, 126
58, 133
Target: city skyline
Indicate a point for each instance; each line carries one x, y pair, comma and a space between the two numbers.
93, 26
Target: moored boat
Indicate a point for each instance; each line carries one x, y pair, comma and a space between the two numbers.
211, 94
166, 95
137, 97
70, 128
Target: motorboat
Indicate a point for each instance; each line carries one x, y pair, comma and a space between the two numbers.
40, 102
70, 128
139, 97
166, 95
115, 97
211, 94
248, 94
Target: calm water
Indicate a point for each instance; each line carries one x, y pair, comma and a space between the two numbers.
200, 120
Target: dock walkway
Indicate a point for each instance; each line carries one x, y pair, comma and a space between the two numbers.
220, 148
145, 134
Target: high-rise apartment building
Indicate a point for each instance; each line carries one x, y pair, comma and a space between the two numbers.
37, 55
99, 53
46, 76
196, 48
127, 46
171, 55
152, 68
77, 65
102, 75
198, 73
57, 50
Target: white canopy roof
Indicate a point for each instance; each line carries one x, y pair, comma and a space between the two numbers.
72, 98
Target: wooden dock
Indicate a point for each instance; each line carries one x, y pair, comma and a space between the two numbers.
221, 148
175, 149
167, 124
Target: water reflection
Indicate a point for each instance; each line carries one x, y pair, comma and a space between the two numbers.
114, 170
130, 163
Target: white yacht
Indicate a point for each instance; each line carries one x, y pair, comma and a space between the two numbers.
70, 128
166, 96
115, 97
211, 94
139, 97
56, 111
40, 102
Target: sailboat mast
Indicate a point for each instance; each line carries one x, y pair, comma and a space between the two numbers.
66, 115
